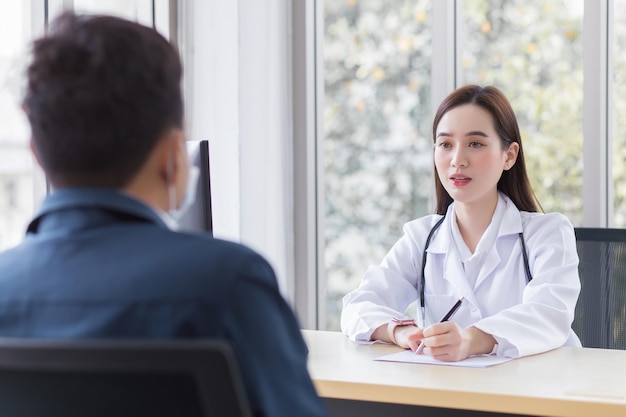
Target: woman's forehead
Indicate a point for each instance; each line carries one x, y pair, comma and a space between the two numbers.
466, 118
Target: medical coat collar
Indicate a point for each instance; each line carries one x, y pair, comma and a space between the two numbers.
511, 224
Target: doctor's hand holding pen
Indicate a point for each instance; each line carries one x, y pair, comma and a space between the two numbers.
445, 341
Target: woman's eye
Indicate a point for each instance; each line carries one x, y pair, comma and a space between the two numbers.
475, 144
443, 145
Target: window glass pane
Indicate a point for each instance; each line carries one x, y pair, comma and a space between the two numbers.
377, 151
19, 194
138, 10
619, 113
532, 51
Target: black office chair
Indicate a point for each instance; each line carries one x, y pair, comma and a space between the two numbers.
91, 378
600, 319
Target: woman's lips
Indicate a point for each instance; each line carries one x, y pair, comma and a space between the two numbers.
460, 180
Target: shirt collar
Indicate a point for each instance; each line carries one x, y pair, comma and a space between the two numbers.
109, 199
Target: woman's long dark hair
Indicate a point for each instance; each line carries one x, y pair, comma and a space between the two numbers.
513, 182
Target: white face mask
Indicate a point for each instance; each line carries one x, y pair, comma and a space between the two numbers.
189, 197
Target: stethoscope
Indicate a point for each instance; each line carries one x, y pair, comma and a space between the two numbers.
529, 276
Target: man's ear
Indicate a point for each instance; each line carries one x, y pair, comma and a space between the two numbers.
170, 148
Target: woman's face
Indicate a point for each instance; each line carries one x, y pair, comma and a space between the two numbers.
468, 155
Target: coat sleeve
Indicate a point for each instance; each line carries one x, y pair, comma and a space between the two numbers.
542, 321
385, 290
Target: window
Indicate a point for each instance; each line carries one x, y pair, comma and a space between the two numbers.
532, 51
138, 10
377, 146
618, 153
21, 186
377, 159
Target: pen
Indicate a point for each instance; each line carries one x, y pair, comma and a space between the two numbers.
447, 317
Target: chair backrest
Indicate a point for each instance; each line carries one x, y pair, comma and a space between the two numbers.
600, 319
119, 378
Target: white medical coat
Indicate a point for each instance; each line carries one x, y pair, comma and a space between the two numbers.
524, 317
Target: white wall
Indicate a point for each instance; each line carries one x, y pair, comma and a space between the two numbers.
237, 59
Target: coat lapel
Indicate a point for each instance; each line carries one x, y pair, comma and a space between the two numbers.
453, 273
510, 223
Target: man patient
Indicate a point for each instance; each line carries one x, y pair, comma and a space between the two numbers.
104, 103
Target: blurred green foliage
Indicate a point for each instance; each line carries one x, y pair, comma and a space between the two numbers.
618, 150
532, 51
377, 148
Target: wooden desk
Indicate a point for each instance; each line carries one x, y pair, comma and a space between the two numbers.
563, 382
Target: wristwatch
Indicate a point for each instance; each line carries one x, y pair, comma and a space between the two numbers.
396, 322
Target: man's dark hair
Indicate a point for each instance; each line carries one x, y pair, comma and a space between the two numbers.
101, 92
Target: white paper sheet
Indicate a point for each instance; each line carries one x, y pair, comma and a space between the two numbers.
471, 362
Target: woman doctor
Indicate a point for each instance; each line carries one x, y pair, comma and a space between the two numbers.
516, 268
